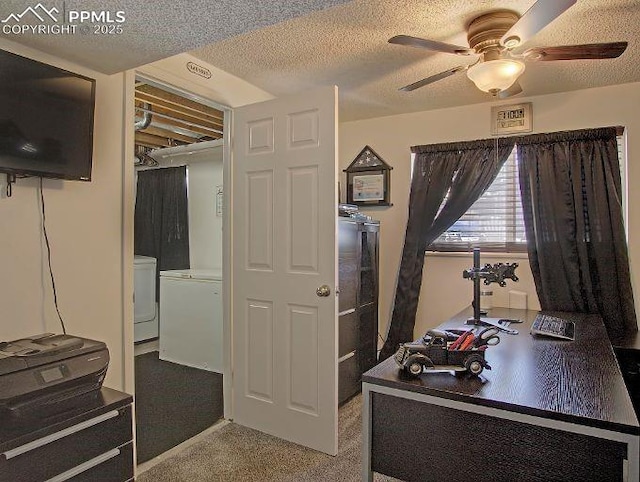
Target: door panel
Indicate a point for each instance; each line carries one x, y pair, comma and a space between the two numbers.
260, 346
260, 216
284, 205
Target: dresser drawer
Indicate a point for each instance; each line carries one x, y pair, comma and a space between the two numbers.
348, 284
49, 456
347, 333
114, 466
349, 376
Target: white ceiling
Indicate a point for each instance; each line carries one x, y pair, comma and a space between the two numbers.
345, 44
153, 29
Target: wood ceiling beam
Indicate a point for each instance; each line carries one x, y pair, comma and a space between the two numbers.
179, 101
170, 113
160, 105
188, 126
160, 132
150, 140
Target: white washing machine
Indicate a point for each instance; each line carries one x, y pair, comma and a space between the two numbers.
144, 291
191, 318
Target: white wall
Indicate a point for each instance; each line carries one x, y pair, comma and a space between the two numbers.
84, 223
223, 88
444, 291
205, 226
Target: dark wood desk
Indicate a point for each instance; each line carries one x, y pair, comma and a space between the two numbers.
548, 410
627, 349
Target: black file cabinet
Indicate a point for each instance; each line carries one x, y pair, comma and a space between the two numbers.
91, 442
358, 244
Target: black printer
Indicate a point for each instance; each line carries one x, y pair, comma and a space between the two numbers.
42, 371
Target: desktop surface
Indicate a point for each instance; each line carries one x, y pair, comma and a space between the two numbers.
572, 381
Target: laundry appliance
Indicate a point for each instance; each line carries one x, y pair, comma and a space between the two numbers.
144, 291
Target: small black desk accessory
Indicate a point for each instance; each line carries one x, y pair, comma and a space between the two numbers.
496, 273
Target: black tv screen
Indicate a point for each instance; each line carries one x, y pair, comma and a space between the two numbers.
46, 120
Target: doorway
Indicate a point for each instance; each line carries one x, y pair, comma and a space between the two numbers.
178, 265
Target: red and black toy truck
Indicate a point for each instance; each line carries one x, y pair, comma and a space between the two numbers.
448, 350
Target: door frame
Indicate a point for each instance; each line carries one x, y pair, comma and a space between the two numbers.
128, 225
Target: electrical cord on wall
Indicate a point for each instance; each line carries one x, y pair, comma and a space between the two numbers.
46, 240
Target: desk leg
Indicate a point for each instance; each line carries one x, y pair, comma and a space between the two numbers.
633, 460
367, 475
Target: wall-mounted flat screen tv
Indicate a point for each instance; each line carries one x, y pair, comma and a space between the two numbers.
46, 120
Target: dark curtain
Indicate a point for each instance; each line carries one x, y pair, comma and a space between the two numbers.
571, 197
162, 218
447, 180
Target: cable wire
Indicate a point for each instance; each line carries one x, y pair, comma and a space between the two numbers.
46, 240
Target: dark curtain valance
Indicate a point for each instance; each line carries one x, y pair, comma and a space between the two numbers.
486, 144
568, 136
447, 180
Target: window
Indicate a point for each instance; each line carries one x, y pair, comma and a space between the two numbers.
494, 222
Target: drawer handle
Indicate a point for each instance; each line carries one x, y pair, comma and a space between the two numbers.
89, 464
9, 454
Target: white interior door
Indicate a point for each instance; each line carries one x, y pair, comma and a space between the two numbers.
284, 200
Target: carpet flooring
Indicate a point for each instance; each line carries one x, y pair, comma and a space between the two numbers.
173, 403
239, 454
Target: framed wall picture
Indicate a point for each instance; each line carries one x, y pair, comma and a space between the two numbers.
368, 180
368, 187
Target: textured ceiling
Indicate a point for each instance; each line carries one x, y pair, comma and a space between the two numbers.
347, 45
153, 29
344, 45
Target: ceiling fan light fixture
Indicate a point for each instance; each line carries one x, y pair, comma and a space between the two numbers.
494, 76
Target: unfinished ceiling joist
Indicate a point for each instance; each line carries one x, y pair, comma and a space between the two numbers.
175, 120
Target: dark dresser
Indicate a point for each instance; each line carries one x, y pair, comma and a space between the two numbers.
358, 242
89, 441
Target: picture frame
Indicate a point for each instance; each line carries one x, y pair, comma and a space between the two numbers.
368, 180
368, 187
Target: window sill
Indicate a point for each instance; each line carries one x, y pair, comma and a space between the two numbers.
483, 255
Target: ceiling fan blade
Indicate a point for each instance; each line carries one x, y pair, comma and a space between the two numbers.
575, 52
541, 13
515, 89
433, 78
430, 45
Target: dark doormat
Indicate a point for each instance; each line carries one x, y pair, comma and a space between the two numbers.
173, 403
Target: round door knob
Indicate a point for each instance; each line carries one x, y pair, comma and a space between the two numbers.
323, 291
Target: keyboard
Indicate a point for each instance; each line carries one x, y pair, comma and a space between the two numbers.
552, 326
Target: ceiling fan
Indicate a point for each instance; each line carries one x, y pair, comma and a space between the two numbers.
494, 35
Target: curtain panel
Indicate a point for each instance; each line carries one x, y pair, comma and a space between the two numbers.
571, 196
161, 228
447, 180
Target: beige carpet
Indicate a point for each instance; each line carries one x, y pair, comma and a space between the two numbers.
235, 453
